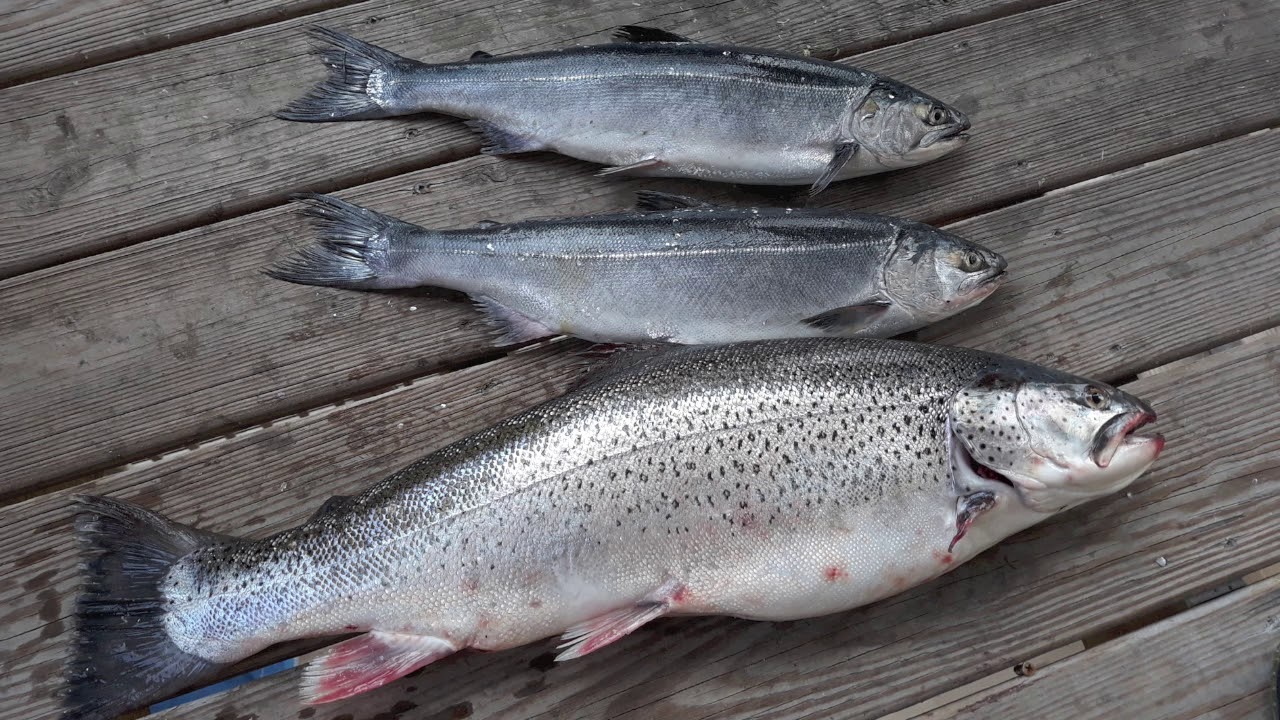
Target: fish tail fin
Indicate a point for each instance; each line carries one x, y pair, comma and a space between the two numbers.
123, 657
352, 248
358, 81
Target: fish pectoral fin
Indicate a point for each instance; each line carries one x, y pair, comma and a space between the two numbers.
640, 34
652, 200
844, 153
480, 55
850, 318
599, 631
500, 141
514, 326
367, 662
638, 167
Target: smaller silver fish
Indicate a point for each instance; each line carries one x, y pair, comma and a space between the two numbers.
676, 271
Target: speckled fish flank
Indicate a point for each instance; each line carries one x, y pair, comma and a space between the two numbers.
769, 480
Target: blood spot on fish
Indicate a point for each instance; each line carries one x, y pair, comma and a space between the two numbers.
470, 585
352, 627
535, 604
681, 595
834, 573
945, 558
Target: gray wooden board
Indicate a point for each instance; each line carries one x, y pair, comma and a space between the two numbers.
41, 38
1196, 662
121, 355
1208, 508
178, 138
130, 151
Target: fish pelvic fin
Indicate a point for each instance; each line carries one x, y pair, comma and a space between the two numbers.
640, 34
513, 326
500, 141
367, 662
123, 657
844, 153
850, 318
598, 632
352, 243
641, 167
357, 73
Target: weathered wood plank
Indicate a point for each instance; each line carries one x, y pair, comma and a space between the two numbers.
42, 38
106, 159
174, 139
138, 350
1208, 508
1197, 662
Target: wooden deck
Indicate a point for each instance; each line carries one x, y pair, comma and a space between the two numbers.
1124, 160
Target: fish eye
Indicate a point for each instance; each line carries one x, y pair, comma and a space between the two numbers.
937, 115
971, 262
1095, 398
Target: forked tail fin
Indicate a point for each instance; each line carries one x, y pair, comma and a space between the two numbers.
360, 75
123, 657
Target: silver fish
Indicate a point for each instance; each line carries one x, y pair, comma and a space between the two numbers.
656, 104
770, 480
680, 272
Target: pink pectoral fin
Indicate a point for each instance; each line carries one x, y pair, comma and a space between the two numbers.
366, 662
599, 631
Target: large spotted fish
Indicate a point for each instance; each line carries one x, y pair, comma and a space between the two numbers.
656, 104
768, 480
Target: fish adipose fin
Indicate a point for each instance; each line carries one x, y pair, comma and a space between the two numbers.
344, 95
123, 657
347, 235
638, 168
850, 318
367, 662
514, 327
652, 200
639, 34
844, 153
332, 505
481, 55
498, 141
599, 631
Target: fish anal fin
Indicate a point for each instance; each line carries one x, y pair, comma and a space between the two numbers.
652, 200
480, 55
367, 662
514, 326
850, 318
500, 141
598, 632
640, 34
844, 153
637, 168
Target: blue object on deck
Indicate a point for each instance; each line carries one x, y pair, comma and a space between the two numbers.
225, 684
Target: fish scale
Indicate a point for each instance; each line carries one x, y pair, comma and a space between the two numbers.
769, 480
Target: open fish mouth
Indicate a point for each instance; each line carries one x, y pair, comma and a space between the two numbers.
1122, 430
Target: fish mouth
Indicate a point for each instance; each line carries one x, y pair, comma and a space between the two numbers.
1121, 431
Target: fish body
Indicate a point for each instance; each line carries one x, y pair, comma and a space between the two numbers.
671, 108
770, 480
685, 274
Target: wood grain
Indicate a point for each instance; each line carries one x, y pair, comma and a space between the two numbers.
1208, 508
174, 139
171, 140
1197, 662
126, 354
42, 38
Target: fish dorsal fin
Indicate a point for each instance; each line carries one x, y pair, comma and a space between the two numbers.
481, 55
652, 200
850, 318
513, 326
332, 505
367, 662
640, 34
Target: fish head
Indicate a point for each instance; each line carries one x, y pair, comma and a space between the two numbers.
903, 127
934, 274
1049, 439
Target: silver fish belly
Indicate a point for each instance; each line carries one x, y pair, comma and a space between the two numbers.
687, 274
768, 480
